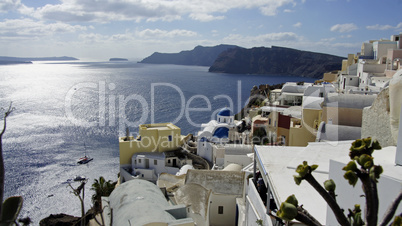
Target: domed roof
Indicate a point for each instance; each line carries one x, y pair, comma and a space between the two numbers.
221, 132
225, 112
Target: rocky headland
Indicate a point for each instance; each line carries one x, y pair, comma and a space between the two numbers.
275, 60
199, 56
259, 60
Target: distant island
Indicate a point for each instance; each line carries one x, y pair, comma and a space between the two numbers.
118, 59
28, 60
199, 56
6, 62
276, 60
259, 60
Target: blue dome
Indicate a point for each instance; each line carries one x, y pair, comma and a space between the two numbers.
221, 132
225, 112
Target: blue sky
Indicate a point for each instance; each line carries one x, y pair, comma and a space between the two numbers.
100, 29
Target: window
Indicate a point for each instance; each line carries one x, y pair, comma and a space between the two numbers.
139, 160
269, 121
170, 137
220, 210
155, 162
168, 160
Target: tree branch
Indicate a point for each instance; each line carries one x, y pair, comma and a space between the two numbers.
2, 170
305, 217
370, 190
340, 216
6, 114
391, 210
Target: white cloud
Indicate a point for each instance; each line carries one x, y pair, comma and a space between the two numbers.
288, 11
298, 24
346, 36
271, 6
93, 37
327, 39
9, 5
379, 27
262, 40
346, 45
157, 33
152, 10
29, 27
343, 28
282, 36
205, 17
384, 27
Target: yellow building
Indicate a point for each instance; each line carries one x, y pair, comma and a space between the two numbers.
330, 76
352, 59
158, 137
305, 130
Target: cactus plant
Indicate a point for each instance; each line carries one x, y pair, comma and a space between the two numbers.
368, 173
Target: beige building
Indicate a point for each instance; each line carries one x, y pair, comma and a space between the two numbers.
346, 109
158, 137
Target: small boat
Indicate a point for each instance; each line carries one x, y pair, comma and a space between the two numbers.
84, 160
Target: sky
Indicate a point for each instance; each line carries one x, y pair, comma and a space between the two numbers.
134, 29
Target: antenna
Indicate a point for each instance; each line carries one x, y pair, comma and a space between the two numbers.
127, 133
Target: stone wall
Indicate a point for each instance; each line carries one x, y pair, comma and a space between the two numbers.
376, 120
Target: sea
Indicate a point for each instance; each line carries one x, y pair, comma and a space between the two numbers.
65, 110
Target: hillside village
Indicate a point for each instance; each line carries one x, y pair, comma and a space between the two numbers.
238, 171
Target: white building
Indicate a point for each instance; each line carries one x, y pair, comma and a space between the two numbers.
215, 132
380, 49
148, 166
373, 67
348, 82
277, 165
224, 155
212, 196
292, 93
140, 202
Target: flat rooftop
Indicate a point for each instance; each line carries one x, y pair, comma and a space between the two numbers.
280, 162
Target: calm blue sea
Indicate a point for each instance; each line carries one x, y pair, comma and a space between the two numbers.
61, 108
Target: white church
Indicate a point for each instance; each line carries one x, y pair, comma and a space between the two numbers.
215, 132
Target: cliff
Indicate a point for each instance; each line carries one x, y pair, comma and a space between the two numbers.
275, 60
200, 56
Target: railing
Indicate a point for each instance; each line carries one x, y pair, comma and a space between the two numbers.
257, 206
